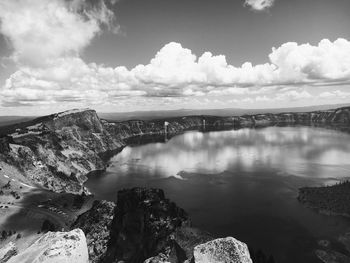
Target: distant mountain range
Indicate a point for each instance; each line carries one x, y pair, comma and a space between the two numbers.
149, 115
8, 120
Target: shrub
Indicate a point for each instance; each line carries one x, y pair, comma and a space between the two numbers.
48, 226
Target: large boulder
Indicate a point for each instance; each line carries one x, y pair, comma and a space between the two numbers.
222, 250
56, 247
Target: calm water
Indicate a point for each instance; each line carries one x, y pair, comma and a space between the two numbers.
242, 183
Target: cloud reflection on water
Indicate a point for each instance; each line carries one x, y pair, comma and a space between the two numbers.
301, 151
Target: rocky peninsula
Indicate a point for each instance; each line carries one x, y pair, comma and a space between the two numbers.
330, 200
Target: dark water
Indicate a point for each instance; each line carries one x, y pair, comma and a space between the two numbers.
242, 183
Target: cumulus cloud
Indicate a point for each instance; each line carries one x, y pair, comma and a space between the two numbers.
259, 5
43, 30
176, 72
336, 94
47, 37
326, 61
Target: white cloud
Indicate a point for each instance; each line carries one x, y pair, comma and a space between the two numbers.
259, 5
293, 95
43, 30
48, 35
326, 61
337, 94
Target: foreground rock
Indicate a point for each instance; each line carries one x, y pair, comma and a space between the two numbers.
96, 224
56, 247
224, 250
183, 242
143, 224
7, 252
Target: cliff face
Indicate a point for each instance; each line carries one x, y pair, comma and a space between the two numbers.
59, 150
143, 223
96, 224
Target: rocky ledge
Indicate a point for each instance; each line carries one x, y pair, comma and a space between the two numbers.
96, 224
53, 247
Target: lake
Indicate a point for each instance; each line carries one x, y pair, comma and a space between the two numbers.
242, 183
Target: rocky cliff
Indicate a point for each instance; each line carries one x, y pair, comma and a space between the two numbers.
58, 151
143, 223
145, 226
96, 224
55, 247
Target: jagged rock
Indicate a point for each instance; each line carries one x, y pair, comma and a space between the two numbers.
223, 250
161, 258
143, 225
56, 247
7, 252
184, 239
96, 223
188, 238
172, 253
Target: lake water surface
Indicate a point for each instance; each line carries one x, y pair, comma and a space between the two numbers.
242, 183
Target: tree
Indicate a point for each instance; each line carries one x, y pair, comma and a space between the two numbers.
48, 226
4, 234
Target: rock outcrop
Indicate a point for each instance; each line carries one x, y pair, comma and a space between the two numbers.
96, 224
223, 250
7, 252
56, 247
143, 225
59, 151
183, 242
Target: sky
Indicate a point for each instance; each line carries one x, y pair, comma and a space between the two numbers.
128, 55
